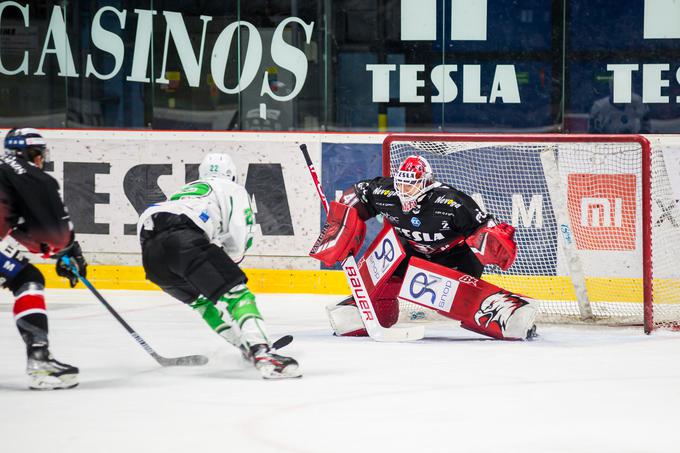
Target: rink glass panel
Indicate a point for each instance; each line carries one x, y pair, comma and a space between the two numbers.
380, 65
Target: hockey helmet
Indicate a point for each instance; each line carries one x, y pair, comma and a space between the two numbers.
413, 179
26, 143
217, 165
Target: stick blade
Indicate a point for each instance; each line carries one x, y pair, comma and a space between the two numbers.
395, 334
282, 342
188, 360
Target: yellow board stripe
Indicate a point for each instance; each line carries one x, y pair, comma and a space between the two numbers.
333, 282
259, 280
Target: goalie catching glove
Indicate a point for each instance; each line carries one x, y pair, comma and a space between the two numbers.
342, 234
494, 243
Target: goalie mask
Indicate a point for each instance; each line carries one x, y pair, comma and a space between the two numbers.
412, 181
28, 144
217, 165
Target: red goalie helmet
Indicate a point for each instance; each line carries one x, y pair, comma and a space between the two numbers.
413, 179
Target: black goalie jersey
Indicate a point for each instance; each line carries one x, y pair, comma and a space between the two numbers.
443, 219
31, 208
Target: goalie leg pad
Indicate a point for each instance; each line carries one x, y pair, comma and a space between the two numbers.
480, 306
342, 235
520, 326
345, 319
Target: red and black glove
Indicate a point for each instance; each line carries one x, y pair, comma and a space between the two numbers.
342, 234
494, 244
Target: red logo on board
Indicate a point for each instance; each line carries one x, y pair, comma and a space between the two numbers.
602, 210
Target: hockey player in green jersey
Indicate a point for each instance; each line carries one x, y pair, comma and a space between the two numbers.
191, 247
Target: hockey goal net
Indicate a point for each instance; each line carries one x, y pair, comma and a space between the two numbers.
597, 223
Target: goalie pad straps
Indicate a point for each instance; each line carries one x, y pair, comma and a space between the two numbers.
494, 244
342, 234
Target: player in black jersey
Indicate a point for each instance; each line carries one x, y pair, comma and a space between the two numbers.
432, 220
33, 214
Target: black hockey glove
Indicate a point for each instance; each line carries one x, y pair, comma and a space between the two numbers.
75, 254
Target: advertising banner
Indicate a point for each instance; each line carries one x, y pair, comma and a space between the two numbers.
109, 178
345, 164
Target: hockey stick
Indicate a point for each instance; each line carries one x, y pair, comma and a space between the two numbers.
356, 284
188, 360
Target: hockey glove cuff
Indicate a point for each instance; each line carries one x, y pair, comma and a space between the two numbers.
342, 234
75, 254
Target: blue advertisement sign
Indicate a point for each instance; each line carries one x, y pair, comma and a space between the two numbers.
344, 164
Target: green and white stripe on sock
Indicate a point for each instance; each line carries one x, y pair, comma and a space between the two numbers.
241, 306
212, 315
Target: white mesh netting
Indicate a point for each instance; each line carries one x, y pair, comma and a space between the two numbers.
594, 187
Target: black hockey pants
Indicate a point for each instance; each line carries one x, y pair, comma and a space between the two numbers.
178, 257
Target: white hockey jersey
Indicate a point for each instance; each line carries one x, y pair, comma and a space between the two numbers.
218, 206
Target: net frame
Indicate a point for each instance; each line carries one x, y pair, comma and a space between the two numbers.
646, 183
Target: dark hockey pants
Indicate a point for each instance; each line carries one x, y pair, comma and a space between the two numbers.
178, 257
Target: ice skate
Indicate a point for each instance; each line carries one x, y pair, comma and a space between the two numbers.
273, 366
46, 373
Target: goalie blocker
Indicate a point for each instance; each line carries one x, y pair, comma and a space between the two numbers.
341, 236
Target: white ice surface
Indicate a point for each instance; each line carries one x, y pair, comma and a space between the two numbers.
575, 389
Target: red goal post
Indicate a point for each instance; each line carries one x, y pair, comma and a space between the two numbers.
586, 239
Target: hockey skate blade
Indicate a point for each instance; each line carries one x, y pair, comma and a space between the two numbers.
395, 334
46, 382
290, 372
189, 360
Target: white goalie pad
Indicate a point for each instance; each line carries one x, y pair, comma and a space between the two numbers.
345, 319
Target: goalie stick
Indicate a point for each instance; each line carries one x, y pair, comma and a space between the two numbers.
356, 284
189, 360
